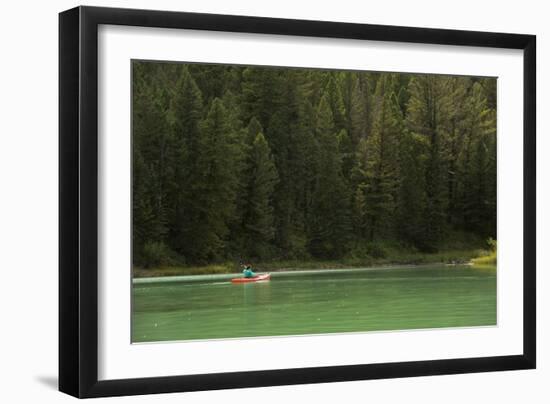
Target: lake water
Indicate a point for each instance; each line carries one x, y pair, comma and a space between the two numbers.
313, 303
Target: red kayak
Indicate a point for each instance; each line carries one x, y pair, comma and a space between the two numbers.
257, 278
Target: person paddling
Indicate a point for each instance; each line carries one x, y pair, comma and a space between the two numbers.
247, 271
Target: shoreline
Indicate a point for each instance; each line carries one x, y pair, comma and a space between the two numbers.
286, 272
393, 259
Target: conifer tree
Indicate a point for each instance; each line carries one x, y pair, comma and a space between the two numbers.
211, 205
378, 163
152, 157
330, 216
187, 114
258, 220
459, 87
334, 98
260, 89
478, 165
367, 86
283, 134
411, 226
428, 115
354, 107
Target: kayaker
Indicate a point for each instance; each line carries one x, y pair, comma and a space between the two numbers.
247, 271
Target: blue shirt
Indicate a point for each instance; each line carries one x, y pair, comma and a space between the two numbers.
248, 273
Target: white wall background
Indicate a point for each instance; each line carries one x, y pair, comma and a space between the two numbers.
28, 200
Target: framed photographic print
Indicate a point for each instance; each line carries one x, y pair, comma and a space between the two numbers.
251, 201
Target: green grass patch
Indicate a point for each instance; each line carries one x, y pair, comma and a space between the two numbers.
489, 259
181, 270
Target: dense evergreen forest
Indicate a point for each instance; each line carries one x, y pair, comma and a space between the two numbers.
255, 163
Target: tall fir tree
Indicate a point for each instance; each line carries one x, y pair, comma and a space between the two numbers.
283, 134
258, 219
330, 217
428, 115
353, 98
459, 87
152, 157
260, 89
377, 167
411, 226
477, 188
211, 205
187, 114
333, 93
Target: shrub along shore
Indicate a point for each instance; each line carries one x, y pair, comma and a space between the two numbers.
454, 257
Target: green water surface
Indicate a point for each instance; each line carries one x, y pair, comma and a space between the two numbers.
312, 303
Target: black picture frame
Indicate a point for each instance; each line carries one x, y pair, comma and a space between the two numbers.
78, 201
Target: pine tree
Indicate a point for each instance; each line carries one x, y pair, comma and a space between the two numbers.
490, 201
378, 163
459, 87
260, 91
142, 212
211, 205
187, 114
330, 216
240, 143
354, 107
152, 157
411, 226
305, 169
283, 135
334, 98
258, 220
367, 85
478, 166
428, 115
238, 239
